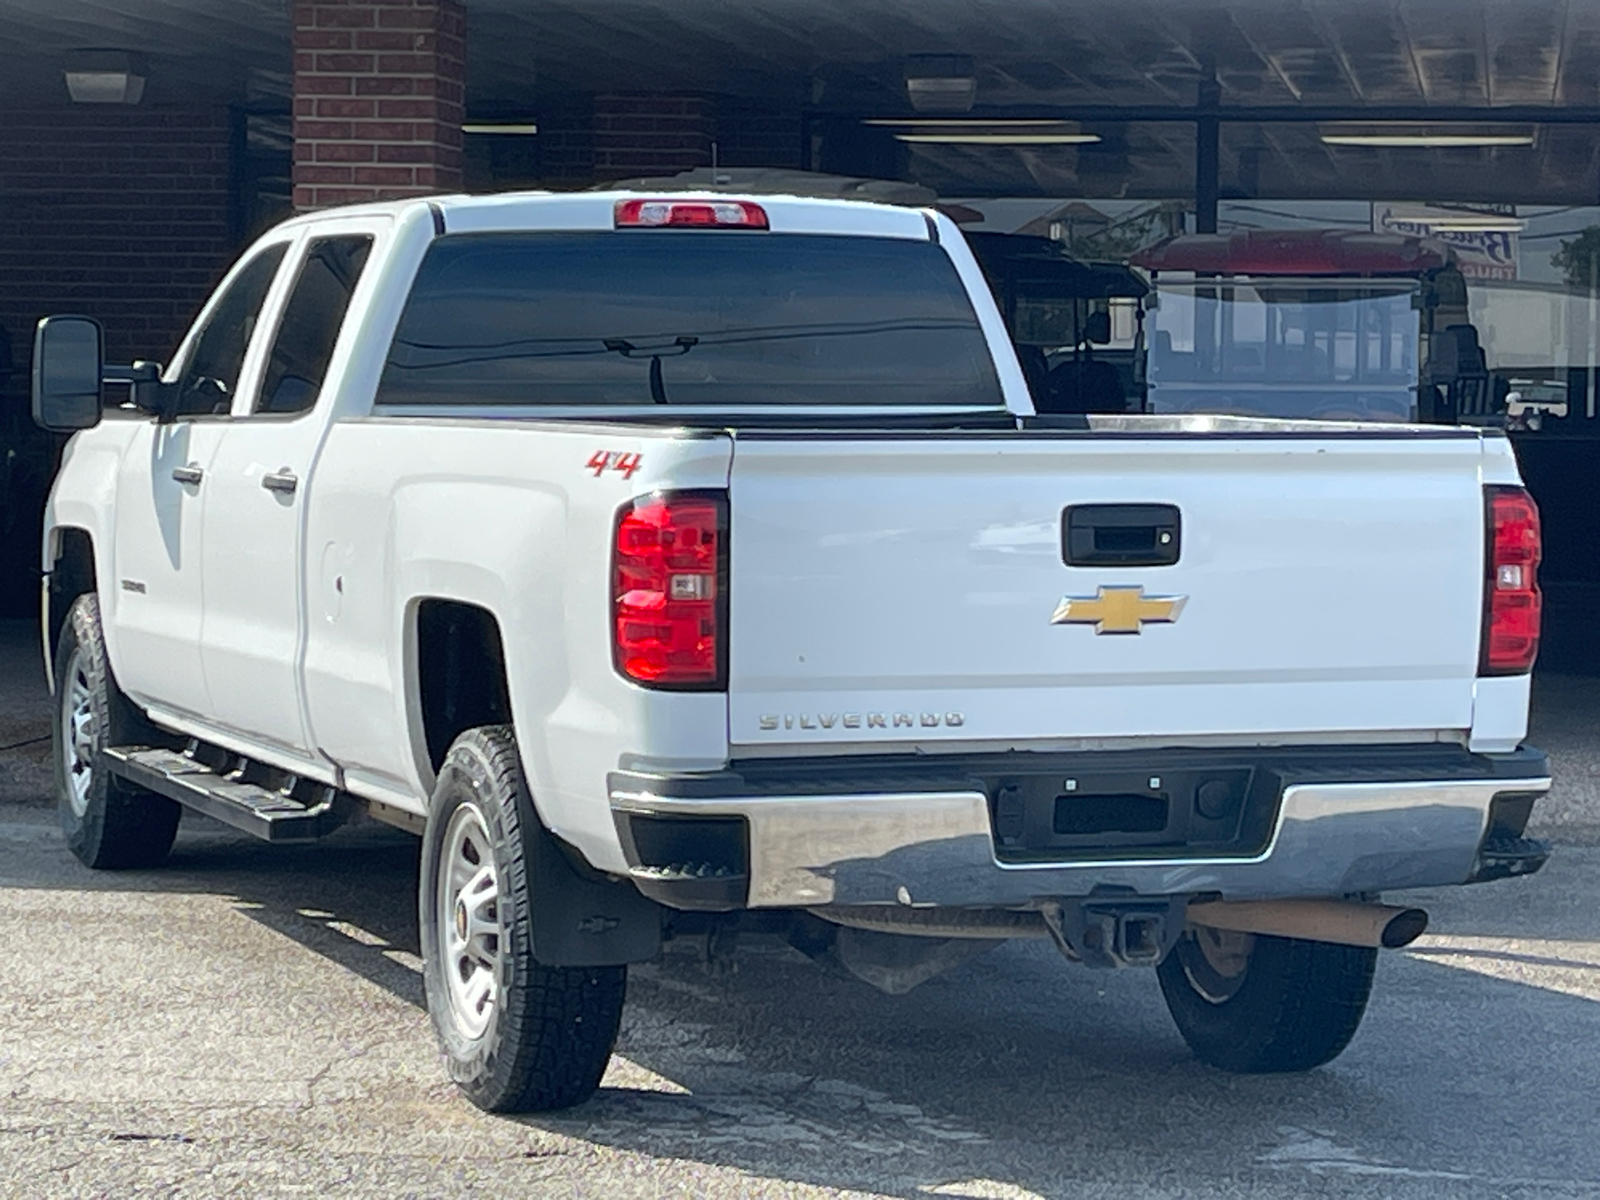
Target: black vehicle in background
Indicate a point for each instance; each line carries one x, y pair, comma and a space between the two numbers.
1078, 326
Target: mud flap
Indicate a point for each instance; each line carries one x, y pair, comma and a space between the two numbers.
582, 918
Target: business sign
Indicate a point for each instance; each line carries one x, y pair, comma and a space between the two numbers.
1485, 244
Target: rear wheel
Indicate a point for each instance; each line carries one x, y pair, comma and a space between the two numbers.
517, 1035
108, 822
1254, 1004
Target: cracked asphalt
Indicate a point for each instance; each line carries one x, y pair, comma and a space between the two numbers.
248, 1021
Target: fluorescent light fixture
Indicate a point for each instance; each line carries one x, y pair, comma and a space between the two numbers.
104, 77
1430, 220
1428, 139
968, 122
941, 82
526, 128
978, 132
1441, 136
1477, 225
1000, 139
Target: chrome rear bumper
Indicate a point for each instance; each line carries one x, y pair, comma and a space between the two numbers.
937, 847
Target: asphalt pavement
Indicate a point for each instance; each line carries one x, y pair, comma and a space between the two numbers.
248, 1021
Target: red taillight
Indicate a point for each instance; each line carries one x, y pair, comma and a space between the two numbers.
706, 214
668, 591
1511, 604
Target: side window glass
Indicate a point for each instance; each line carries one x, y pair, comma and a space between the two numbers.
212, 372
310, 324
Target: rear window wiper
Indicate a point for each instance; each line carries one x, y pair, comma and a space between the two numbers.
681, 345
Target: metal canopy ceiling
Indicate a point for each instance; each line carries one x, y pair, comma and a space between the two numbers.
1133, 68
1437, 53
231, 49
1156, 160
1057, 52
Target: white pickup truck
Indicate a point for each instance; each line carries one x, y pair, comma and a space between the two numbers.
683, 565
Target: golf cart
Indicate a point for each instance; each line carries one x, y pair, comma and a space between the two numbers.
1326, 324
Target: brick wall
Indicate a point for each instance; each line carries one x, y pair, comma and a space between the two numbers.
755, 135
566, 141
627, 134
560, 156
120, 213
378, 92
586, 139
647, 133
123, 214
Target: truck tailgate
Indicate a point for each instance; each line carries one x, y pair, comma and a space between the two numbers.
899, 590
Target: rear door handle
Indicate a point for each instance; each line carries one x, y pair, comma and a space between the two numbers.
284, 481
190, 474
1121, 535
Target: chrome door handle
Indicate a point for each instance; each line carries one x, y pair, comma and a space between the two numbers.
284, 481
189, 474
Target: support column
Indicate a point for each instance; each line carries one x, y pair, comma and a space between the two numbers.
1207, 186
378, 93
1207, 157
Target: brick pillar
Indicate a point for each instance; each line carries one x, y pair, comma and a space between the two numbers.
378, 88
652, 133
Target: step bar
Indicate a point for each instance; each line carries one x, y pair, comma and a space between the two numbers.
272, 815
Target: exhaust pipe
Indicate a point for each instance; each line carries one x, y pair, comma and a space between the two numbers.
1347, 922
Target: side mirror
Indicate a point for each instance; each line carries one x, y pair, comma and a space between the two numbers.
145, 388
1097, 328
68, 364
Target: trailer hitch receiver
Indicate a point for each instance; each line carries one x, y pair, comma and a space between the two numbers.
1113, 932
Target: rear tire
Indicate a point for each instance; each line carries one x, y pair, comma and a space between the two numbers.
517, 1035
109, 823
1253, 1004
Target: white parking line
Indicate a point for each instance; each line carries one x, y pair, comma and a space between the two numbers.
1568, 967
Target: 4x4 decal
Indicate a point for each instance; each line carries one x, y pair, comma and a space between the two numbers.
627, 462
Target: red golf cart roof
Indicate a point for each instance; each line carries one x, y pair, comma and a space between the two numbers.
1297, 252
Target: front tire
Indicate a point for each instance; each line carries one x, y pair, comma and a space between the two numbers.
1253, 1004
109, 823
517, 1035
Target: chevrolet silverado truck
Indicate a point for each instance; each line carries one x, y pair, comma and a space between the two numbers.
683, 566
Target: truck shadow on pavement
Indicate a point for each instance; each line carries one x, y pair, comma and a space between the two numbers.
1015, 1075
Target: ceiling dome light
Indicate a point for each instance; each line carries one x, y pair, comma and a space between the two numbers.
104, 77
941, 82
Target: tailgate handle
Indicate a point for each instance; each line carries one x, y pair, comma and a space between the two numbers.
1120, 535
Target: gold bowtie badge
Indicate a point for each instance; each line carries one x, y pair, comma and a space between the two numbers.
1118, 610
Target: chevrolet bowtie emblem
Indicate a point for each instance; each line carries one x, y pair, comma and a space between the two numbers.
1117, 610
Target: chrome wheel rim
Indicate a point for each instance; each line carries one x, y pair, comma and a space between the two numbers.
79, 732
468, 916
1216, 961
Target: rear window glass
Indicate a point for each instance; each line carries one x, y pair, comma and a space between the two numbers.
687, 317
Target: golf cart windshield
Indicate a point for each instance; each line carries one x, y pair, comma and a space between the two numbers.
1331, 348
